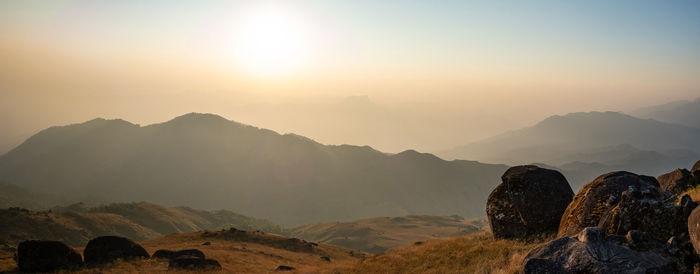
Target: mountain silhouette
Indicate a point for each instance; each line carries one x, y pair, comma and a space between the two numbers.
205, 161
684, 112
561, 139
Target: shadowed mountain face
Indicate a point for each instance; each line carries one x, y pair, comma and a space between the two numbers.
206, 161
590, 143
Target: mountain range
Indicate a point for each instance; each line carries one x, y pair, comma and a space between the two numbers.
585, 145
205, 161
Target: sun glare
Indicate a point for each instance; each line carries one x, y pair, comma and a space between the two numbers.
271, 41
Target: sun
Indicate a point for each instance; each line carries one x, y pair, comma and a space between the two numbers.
271, 40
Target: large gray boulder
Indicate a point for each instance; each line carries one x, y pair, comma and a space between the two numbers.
594, 252
597, 198
530, 201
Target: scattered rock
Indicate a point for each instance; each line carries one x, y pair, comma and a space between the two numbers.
326, 258
599, 197
594, 252
169, 254
46, 256
530, 201
676, 181
418, 243
187, 262
107, 248
284, 268
163, 254
206, 243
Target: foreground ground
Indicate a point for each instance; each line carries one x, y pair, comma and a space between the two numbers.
256, 252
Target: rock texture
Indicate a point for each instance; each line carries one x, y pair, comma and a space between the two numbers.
594, 252
676, 181
599, 197
46, 256
696, 169
694, 229
108, 248
651, 212
530, 201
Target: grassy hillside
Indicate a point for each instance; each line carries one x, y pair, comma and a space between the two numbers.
477, 253
16, 196
376, 235
251, 252
76, 224
208, 162
255, 252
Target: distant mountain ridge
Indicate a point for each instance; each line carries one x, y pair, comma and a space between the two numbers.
584, 144
685, 112
77, 224
206, 161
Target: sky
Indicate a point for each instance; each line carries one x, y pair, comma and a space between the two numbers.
395, 75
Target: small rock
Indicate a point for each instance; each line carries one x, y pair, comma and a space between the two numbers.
326, 258
284, 268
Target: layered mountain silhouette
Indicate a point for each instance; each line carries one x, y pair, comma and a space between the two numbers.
205, 161
683, 112
584, 145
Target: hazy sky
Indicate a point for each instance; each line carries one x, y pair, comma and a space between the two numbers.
437, 73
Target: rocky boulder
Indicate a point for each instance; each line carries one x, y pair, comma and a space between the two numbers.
530, 201
651, 212
599, 197
694, 229
108, 248
46, 256
676, 181
594, 252
696, 169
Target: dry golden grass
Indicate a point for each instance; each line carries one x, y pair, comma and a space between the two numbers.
376, 235
477, 253
693, 192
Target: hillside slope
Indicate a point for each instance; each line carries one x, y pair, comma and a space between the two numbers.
376, 235
205, 161
77, 224
237, 251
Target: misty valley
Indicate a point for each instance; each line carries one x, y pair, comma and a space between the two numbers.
350, 136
